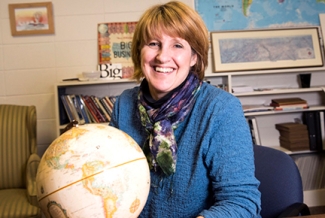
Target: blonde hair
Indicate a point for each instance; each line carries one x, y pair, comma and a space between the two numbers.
175, 19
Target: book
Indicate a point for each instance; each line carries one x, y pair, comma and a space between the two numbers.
102, 109
309, 118
294, 145
109, 103
113, 99
252, 123
67, 108
83, 108
73, 108
98, 109
106, 106
242, 89
287, 101
114, 45
290, 126
304, 141
291, 107
254, 108
77, 107
92, 109
63, 116
91, 115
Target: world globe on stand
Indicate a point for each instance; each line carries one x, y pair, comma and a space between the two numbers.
93, 170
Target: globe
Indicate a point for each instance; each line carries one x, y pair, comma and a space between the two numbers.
93, 170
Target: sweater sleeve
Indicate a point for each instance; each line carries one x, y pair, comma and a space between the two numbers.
231, 166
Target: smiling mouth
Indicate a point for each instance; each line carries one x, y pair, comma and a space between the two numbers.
163, 70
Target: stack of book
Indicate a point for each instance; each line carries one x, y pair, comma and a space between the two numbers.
293, 136
88, 109
289, 104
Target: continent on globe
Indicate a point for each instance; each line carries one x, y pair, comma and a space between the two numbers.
93, 170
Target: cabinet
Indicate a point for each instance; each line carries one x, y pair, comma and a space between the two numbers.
282, 83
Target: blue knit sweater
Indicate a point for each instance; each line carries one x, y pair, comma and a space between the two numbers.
215, 163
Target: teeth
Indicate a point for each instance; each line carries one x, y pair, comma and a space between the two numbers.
164, 70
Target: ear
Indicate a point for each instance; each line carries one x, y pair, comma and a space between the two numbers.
193, 59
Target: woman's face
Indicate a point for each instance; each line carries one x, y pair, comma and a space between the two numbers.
166, 62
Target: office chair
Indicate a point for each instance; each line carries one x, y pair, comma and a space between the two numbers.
18, 162
281, 184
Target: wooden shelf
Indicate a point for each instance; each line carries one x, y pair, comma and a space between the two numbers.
272, 112
281, 91
95, 82
272, 71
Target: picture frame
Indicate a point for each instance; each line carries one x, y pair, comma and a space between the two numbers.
247, 50
31, 18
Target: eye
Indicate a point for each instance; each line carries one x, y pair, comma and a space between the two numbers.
153, 44
178, 45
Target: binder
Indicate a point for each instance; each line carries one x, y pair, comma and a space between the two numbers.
322, 128
318, 130
310, 119
252, 123
63, 115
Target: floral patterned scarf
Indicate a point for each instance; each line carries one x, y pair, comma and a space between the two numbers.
160, 147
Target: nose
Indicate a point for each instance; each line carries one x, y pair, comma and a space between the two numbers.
163, 55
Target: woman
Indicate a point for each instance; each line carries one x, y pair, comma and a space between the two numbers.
193, 134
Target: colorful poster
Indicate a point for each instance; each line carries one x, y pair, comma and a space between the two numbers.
114, 45
259, 14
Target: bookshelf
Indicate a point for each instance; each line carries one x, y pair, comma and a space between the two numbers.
279, 83
99, 88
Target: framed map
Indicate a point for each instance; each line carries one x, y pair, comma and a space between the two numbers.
266, 49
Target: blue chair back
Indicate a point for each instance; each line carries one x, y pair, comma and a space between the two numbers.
281, 184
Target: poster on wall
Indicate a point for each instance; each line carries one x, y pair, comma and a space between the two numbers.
259, 14
114, 47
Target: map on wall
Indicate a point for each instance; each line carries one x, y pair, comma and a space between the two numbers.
270, 49
258, 14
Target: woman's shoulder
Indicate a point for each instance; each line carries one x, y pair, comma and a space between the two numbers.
212, 93
212, 99
129, 93
127, 99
